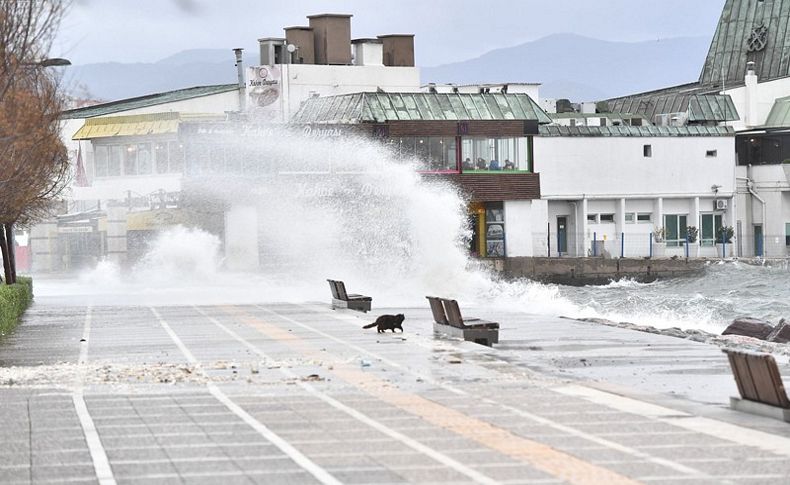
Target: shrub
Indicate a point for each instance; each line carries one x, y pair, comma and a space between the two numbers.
14, 300
692, 232
724, 233
658, 234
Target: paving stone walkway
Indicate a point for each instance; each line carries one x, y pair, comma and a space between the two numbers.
298, 394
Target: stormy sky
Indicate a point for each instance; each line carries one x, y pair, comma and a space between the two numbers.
446, 30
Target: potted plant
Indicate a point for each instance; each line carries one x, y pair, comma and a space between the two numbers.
692, 234
659, 246
724, 237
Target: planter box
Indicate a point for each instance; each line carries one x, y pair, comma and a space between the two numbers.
694, 250
729, 250
659, 249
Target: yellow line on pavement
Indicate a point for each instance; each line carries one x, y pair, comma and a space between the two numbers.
538, 455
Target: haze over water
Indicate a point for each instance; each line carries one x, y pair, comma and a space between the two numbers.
347, 209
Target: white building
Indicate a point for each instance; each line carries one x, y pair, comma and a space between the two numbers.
613, 188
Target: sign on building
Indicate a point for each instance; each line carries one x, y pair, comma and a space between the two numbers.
264, 93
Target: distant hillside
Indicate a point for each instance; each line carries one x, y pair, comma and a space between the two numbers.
581, 68
112, 80
568, 66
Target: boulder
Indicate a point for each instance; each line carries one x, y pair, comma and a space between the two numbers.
749, 327
781, 332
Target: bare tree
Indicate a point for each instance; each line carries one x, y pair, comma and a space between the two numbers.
27, 28
33, 162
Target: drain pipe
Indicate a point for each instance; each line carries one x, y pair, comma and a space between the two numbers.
749, 185
240, 73
575, 228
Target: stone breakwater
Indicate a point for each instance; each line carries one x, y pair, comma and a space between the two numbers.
723, 341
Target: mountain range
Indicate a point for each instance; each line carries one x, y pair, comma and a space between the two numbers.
568, 66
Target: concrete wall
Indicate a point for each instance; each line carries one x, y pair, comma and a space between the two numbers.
772, 185
765, 95
615, 166
518, 221
300, 81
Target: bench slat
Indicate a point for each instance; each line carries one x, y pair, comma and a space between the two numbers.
765, 382
438, 310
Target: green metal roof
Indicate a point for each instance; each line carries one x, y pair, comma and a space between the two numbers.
636, 131
148, 100
699, 106
779, 117
736, 42
383, 107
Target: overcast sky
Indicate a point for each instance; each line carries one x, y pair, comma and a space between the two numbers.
446, 30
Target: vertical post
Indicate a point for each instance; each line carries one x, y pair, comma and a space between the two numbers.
595, 244
622, 245
687, 245
548, 239
723, 245
650, 246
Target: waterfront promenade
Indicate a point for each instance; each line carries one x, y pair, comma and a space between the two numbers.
297, 393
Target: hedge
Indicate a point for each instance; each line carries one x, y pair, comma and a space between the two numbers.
14, 300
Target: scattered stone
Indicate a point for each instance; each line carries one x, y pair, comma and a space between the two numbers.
749, 327
454, 361
781, 333
313, 377
364, 363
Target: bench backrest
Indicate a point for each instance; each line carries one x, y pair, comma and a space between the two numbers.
437, 309
333, 289
341, 290
453, 313
758, 378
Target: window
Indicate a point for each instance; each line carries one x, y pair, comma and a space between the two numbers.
647, 150
573, 122
175, 156
114, 163
100, 160
711, 153
592, 218
160, 157
645, 217
630, 217
508, 153
709, 226
675, 230
130, 160
144, 159
495, 229
607, 217
787, 234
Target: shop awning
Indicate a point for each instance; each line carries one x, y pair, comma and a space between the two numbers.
154, 219
137, 125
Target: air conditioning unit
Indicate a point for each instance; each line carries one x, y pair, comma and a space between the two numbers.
719, 205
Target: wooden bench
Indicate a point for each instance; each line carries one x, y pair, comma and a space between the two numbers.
448, 320
341, 298
759, 384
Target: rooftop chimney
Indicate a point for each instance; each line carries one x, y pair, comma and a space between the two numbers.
750, 98
303, 40
398, 49
272, 50
332, 38
240, 74
367, 52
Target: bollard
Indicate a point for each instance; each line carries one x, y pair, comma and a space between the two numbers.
622, 245
595, 244
650, 245
687, 246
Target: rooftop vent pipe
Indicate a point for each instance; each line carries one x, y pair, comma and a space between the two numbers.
240, 73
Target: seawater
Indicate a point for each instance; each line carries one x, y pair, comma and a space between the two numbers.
346, 209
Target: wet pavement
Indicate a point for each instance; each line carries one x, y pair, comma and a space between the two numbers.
298, 393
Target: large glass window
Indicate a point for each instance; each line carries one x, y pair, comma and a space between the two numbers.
675, 229
114, 163
709, 226
434, 153
160, 155
100, 160
144, 159
176, 156
787, 234
494, 154
130, 160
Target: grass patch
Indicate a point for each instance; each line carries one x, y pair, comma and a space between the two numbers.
14, 300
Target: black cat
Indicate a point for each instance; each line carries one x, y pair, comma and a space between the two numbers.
388, 322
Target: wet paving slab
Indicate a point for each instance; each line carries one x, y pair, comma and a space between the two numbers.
297, 393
